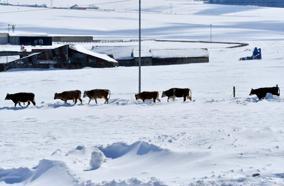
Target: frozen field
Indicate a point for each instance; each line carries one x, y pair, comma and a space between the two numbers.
214, 140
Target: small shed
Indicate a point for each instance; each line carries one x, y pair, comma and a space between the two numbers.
4, 38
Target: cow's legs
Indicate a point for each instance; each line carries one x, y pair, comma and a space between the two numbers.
154, 100
96, 101
20, 104
16, 104
90, 101
81, 100
106, 102
65, 101
34, 103
168, 99
189, 97
75, 101
260, 97
28, 103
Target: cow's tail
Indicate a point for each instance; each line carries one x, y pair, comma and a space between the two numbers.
158, 97
79, 93
190, 95
109, 93
33, 100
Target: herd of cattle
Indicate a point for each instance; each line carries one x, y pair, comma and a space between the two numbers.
95, 94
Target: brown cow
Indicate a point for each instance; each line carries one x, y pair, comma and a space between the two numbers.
69, 95
148, 95
21, 97
97, 94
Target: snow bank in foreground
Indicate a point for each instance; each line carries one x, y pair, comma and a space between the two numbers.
46, 173
117, 165
97, 159
11, 176
117, 150
62, 172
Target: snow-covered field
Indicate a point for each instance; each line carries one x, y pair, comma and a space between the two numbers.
163, 19
214, 140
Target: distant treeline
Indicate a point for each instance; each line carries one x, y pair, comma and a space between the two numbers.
269, 3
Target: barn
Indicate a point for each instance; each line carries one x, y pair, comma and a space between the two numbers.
62, 56
83, 57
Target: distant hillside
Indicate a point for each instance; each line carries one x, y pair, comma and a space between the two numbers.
90, 3
270, 3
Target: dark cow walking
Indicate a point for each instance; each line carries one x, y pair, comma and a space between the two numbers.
261, 92
97, 94
148, 95
21, 97
178, 92
69, 95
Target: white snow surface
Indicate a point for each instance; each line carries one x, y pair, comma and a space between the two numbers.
213, 140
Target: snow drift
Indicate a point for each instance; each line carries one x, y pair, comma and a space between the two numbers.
63, 172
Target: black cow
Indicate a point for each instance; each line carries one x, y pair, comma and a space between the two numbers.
178, 92
148, 95
21, 97
261, 92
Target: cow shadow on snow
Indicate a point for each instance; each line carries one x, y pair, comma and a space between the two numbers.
13, 108
59, 105
20, 108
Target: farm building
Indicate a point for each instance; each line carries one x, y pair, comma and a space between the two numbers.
63, 56
128, 56
270, 3
4, 38
19, 39
41, 39
79, 55
66, 38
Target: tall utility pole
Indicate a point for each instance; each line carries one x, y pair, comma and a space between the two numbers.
139, 60
211, 33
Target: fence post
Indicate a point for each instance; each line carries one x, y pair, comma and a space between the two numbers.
234, 91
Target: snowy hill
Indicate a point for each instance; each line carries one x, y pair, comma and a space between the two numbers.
272, 3
162, 19
100, 3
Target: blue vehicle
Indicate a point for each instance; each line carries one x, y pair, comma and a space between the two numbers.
256, 55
